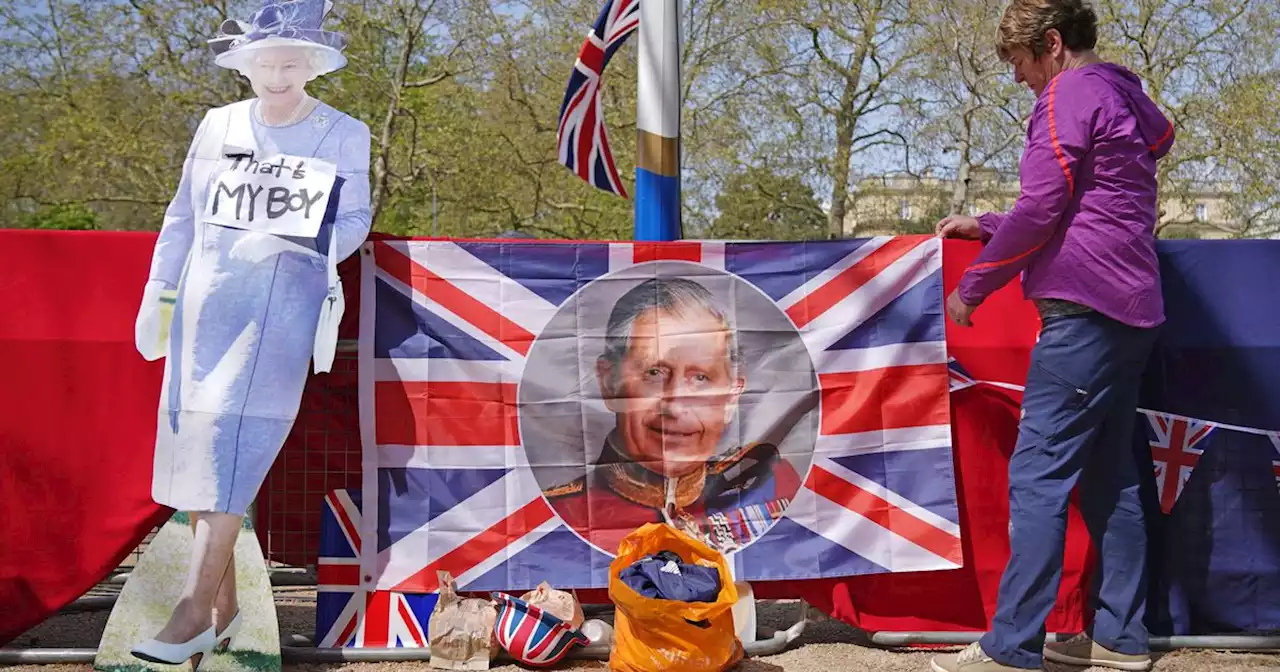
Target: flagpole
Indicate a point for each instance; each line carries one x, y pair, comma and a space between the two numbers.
657, 208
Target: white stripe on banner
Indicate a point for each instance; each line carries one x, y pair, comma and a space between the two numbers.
851, 311
423, 369
348, 507
508, 552
886, 441
452, 318
353, 609
828, 274
392, 456
713, 254
862, 536
368, 521
455, 527
621, 255
867, 359
890, 496
482, 282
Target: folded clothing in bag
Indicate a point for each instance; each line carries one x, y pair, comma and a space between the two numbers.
656, 634
666, 576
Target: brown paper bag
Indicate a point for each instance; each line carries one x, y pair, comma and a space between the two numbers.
558, 603
461, 630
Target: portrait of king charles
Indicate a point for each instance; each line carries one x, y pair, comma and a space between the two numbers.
672, 375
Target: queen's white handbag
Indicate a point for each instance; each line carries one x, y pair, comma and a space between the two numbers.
330, 312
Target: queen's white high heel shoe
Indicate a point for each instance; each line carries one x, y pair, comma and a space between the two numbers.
175, 654
223, 639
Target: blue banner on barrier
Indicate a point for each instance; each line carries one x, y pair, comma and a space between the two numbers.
1215, 556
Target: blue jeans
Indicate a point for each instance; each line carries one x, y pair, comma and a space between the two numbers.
1077, 423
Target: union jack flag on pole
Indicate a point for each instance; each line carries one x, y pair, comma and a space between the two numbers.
581, 138
514, 394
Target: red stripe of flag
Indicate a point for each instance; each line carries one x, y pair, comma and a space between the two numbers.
666, 251
587, 133
349, 631
377, 620
820, 300
410, 622
420, 413
337, 575
403, 268
344, 519
480, 547
888, 398
592, 56
885, 514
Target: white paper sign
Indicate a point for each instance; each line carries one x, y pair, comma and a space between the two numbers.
281, 195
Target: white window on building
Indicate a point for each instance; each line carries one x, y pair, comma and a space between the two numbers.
1202, 212
904, 209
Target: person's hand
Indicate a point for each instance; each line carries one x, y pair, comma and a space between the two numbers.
959, 311
959, 226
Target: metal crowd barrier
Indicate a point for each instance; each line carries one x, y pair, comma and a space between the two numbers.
303, 475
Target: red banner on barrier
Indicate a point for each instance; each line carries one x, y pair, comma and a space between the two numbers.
80, 403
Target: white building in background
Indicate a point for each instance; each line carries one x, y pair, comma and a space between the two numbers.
913, 203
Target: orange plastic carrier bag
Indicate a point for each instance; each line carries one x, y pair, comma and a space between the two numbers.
652, 635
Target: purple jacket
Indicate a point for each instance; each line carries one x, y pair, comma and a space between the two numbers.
1083, 229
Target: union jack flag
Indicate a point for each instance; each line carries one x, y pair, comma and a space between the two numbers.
959, 378
1174, 442
446, 333
346, 614
1275, 464
581, 139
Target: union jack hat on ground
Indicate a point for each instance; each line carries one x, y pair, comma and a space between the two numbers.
532, 636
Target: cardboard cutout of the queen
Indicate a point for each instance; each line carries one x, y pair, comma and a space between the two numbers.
243, 291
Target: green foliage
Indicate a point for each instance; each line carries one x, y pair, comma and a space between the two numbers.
75, 217
99, 101
758, 204
1180, 233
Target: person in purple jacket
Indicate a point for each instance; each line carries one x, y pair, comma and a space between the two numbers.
1082, 236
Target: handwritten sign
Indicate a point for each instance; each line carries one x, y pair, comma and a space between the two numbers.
281, 195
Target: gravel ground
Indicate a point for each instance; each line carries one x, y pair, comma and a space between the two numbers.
825, 647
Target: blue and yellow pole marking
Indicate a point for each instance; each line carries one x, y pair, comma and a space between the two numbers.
657, 209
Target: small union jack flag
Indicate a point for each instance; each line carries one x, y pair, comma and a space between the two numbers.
959, 378
1174, 452
581, 138
346, 614
1275, 464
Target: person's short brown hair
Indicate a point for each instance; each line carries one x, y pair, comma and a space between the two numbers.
1025, 23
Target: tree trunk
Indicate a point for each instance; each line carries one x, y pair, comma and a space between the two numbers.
960, 194
845, 122
381, 163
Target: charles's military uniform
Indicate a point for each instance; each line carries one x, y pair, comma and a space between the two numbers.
728, 502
